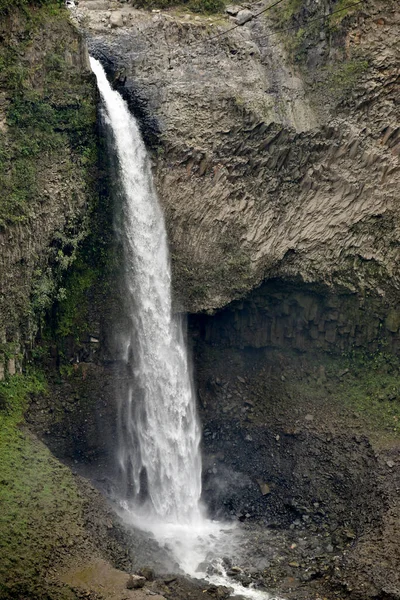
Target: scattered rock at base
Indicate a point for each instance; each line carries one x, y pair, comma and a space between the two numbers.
223, 592
147, 573
169, 580
219, 591
135, 582
264, 487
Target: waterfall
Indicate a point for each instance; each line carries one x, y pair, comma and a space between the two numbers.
159, 433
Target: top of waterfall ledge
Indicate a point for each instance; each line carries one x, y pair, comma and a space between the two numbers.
108, 15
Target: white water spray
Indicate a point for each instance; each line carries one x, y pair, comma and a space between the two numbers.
159, 430
158, 425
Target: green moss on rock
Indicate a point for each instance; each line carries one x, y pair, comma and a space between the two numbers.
48, 158
314, 37
50, 115
9, 6
362, 386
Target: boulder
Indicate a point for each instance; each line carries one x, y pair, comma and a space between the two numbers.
233, 9
116, 19
135, 582
243, 16
147, 573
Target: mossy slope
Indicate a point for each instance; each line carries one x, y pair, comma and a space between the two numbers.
41, 510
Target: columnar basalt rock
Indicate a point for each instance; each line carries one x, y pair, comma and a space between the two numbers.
266, 170
278, 315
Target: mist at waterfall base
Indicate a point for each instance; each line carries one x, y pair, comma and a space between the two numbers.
159, 457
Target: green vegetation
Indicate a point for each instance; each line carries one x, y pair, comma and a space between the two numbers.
303, 28
287, 11
50, 119
48, 144
345, 8
342, 78
8, 6
371, 388
73, 308
307, 23
84, 287
362, 387
40, 508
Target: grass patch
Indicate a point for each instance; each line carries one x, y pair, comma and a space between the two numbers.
10, 6
40, 508
359, 388
371, 388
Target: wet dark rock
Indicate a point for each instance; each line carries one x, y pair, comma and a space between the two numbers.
135, 582
147, 573
223, 592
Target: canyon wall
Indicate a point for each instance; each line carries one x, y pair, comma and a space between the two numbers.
275, 151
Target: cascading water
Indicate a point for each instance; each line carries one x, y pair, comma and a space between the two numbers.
159, 433
159, 430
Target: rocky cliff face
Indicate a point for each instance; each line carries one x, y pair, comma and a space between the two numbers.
277, 152
48, 155
48, 151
